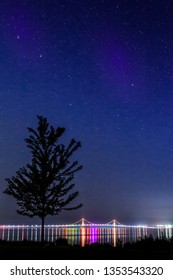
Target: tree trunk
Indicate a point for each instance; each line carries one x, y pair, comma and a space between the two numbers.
42, 229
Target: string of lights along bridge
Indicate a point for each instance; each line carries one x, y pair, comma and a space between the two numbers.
84, 232
84, 223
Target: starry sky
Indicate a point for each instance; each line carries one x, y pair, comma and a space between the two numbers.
103, 69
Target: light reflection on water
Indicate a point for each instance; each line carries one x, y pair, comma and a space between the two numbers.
83, 235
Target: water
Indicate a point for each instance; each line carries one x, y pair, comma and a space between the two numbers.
83, 235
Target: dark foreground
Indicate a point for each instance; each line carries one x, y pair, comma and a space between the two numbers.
146, 249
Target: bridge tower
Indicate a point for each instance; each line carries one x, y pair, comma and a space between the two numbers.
83, 222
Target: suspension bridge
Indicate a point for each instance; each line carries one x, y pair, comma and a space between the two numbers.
83, 230
83, 223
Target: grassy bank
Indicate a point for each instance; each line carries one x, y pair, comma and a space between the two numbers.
144, 249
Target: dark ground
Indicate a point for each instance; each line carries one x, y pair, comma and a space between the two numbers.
142, 250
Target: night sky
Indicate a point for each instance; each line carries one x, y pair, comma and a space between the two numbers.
103, 69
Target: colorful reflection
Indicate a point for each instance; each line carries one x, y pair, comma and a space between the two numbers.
81, 235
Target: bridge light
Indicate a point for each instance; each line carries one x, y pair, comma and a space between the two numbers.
169, 226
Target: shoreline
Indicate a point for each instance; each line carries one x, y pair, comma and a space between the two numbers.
146, 249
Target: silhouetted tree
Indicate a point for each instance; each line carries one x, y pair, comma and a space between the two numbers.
44, 187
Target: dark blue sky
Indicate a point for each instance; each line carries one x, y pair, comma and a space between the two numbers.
104, 71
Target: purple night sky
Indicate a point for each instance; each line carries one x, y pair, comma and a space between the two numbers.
103, 69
